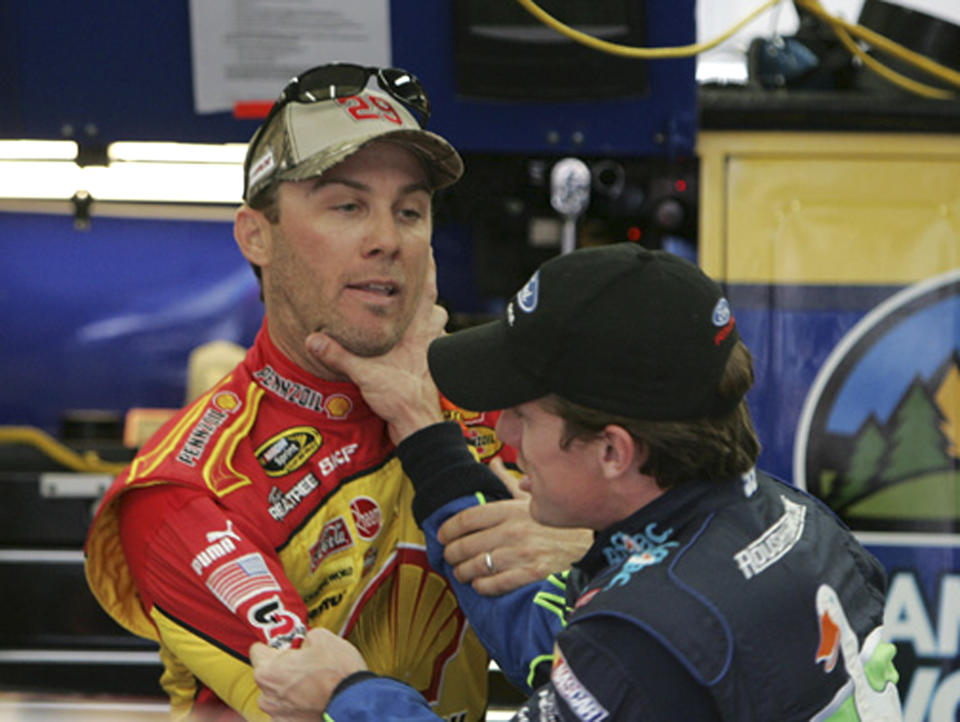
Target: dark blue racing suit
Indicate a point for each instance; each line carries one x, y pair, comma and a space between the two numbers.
746, 600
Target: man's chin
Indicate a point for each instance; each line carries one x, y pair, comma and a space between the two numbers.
366, 344
555, 518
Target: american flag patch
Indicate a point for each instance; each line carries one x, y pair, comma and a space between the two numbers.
236, 581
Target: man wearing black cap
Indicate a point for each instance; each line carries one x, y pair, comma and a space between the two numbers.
274, 503
711, 592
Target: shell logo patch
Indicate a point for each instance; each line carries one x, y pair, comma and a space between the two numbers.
337, 406
879, 435
226, 401
288, 450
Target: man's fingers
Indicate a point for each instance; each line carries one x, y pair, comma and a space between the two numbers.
496, 584
430, 281
477, 519
474, 571
260, 653
478, 543
471, 568
466, 525
457, 525
330, 353
438, 321
509, 478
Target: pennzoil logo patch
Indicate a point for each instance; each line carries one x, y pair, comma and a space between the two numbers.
222, 405
288, 450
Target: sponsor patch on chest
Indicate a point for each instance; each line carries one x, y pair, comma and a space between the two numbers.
289, 450
776, 541
367, 517
334, 537
578, 698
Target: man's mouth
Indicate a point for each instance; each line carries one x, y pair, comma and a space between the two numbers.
381, 288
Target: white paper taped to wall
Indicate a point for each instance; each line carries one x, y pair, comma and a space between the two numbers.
245, 50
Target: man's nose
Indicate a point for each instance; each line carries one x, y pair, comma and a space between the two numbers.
382, 235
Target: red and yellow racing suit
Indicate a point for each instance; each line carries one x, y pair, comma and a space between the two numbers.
272, 504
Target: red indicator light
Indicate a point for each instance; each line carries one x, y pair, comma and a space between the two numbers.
680, 185
634, 234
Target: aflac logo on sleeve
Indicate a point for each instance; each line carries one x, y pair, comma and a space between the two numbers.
528, 296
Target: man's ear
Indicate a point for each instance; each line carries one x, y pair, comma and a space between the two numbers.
619, 451
253, 234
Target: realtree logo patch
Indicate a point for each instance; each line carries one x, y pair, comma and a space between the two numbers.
288, 450
879, 435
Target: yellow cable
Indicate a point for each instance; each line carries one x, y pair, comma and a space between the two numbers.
889, 74
840, 27
883, 44
88, 462
681, 51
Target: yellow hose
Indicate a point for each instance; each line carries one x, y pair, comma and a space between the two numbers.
844, 31
89, 461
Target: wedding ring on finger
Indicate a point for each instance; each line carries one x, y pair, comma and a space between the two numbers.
488, 560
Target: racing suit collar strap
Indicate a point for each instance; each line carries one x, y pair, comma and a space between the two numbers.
266, 362
670, 511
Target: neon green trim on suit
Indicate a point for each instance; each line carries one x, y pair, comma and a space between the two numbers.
551, 602
559, 580
534, 663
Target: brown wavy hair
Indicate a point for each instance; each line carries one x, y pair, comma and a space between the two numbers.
709, 449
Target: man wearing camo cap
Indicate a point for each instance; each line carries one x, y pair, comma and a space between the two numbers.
274, 503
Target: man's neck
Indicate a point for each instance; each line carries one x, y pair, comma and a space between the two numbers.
296, 352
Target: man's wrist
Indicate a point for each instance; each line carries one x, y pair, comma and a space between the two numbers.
442, 468
414, 420
351, 680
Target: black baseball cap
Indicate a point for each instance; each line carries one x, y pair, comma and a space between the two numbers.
620, 328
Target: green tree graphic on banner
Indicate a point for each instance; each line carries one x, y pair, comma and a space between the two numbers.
865, 463
917, 442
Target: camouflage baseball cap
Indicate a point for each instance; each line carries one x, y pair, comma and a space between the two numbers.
305, 139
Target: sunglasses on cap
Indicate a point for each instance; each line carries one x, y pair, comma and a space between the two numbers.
341, 80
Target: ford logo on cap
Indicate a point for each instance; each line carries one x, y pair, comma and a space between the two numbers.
528, 296
721, 313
